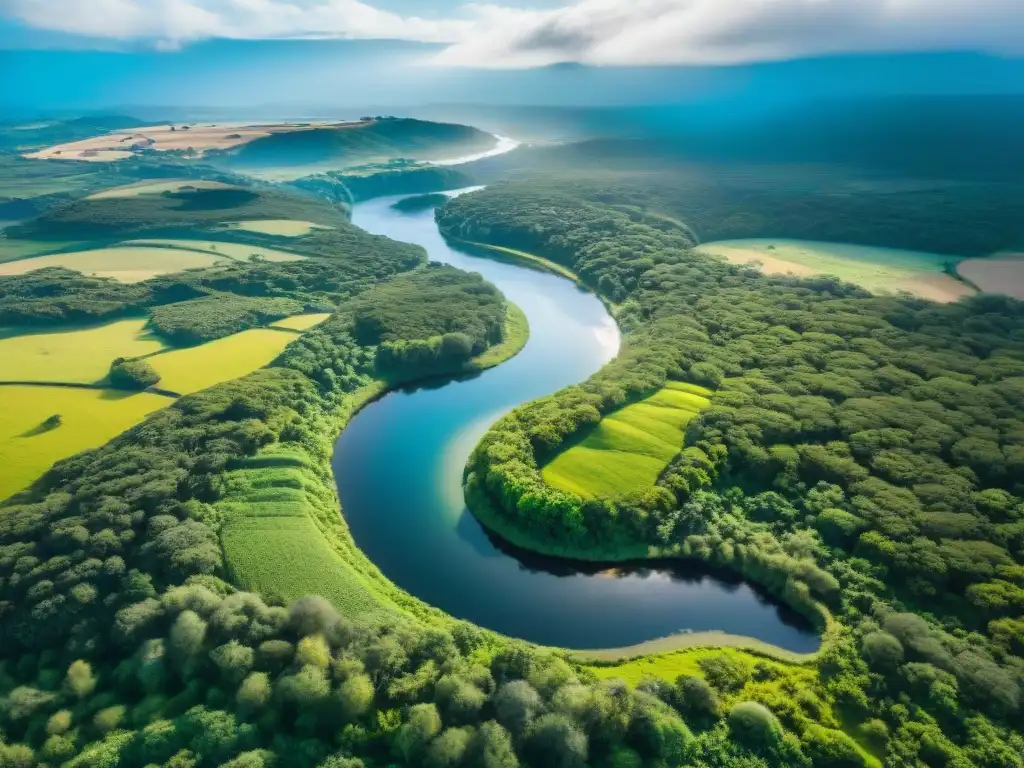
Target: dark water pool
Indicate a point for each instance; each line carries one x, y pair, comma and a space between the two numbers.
399, 466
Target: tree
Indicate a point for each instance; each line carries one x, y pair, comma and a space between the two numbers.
132, 374
423, 724
882, 651
555, 741
516, 704
80, 680
354, 696
491, 747
754, 726
448, 749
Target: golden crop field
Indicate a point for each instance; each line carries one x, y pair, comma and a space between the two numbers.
237, 251
279, 227
130, 264
880, 270
81, 355
89, 418
190, 370
628, 449
301, 322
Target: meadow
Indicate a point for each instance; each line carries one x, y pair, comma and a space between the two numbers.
89, 418
626, 452
997, 274
273, 544
277, 227
129, 264
189, 370
300, 322
79, 355
236, 251
157, 187
879, 270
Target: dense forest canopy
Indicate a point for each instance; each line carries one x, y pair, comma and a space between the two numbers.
861, 459
862, 452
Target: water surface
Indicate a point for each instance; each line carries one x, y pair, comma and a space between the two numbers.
399, 463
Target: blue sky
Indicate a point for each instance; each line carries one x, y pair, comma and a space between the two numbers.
531, 33
97, 53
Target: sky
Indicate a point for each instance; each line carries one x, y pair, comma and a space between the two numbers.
531, 33
91, 53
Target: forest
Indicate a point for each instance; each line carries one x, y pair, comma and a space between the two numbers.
859, 459
860, 453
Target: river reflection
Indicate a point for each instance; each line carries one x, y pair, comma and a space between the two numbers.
399, 466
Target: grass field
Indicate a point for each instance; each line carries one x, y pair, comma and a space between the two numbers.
272, 542
90, 417
237, 251
189, 370
157, 187
1001, 273
131, 264
12, 249
301, 322
627, 451
880, 270
278, 227
80, 355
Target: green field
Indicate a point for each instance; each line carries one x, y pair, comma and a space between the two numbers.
81, 355
278, 227
301, 322
237, 251
190, 370
879, 270
130, 264
627, 451
272, 542
90, 418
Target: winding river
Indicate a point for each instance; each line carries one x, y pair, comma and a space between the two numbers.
399, 462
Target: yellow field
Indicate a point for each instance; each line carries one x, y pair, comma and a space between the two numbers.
301, 322
237, 251
279, 227
996, 274
157, 187
880, 270
81, 356
118, 145
129, 264
626, 452
189, 370
90, 417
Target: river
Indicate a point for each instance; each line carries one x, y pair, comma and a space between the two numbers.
399, 462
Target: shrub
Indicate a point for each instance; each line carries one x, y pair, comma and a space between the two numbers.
132, 374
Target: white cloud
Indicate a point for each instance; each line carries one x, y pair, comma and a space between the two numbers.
602, 32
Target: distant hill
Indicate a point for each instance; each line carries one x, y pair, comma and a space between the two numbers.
340, 147
27, 135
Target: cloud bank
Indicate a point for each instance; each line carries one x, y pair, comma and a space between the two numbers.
597, 32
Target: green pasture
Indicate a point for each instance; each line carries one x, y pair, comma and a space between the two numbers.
79, 355
130, 264
195, 368
236, 251
89, 418
630, 447
277, 227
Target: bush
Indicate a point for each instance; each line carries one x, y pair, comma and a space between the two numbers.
753, 725
132, 374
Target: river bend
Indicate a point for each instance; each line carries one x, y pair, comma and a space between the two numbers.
398, 465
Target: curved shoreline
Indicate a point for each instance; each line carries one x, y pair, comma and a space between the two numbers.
402, 528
